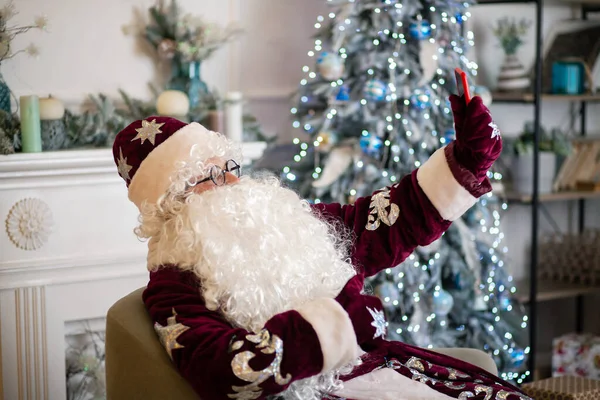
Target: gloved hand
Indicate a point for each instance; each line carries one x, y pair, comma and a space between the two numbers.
478, 143
366, 312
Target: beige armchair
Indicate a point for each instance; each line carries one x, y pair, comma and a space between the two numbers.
137, 367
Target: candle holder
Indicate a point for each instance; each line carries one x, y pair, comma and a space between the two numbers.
54, 134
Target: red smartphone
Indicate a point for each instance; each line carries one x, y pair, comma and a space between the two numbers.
462, 84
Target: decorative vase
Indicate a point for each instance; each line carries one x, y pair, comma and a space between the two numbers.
513, 76
186, 77
4, 96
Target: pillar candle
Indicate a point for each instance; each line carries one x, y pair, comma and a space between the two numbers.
173, 103
31, 132
51, 109
234, 129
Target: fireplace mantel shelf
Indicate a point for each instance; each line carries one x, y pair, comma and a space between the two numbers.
74, 167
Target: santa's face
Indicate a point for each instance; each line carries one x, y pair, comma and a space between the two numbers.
257, 248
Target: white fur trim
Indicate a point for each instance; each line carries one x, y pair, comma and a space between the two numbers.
153, 177
334, 330
387, 384
446, 194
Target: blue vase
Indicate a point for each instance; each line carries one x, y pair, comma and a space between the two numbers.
186, 77
197, 88
4, 96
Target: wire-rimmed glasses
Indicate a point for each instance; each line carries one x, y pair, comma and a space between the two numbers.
217, 174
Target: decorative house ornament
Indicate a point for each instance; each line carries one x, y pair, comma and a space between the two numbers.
29, 223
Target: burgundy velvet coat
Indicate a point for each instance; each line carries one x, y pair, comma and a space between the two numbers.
224, 362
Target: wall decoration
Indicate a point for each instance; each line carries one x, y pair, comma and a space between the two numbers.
29, 223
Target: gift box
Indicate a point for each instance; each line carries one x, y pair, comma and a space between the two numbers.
576, 355
563, 388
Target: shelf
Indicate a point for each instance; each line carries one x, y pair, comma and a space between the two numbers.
517, 97
552, 290
549, 197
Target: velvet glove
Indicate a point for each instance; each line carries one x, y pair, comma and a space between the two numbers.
478, 143
362, 310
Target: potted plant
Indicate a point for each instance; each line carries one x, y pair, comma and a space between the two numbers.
510, 33
553, 147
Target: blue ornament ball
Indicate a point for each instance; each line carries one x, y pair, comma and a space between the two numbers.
375, 90
370, 144
518, 357
330, 66
343, 94
420, 30
459, 18
504, 302
420, 99
442, 302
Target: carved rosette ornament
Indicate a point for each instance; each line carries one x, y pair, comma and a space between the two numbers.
29, 223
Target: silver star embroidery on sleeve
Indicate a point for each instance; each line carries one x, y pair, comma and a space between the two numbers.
169, 333
378, 322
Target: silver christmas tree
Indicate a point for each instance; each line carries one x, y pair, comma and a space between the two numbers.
373, 107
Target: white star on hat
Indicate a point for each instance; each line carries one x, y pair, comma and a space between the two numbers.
123, 167
148, 131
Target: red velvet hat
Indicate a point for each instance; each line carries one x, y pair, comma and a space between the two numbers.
147, 153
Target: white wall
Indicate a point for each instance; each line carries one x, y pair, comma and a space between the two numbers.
86, 52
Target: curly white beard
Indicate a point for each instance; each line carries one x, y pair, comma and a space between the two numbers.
258, 250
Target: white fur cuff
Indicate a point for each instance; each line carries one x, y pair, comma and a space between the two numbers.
334, 330
446, 194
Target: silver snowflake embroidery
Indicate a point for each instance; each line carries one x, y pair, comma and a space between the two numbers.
378, 322
122, 167
495, 130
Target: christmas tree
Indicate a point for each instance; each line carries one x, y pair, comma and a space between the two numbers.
373, 107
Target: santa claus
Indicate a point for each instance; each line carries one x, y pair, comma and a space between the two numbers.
257, 294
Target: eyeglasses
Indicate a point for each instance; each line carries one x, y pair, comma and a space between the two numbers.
217, 174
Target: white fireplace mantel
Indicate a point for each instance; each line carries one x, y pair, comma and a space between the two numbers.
85, 257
